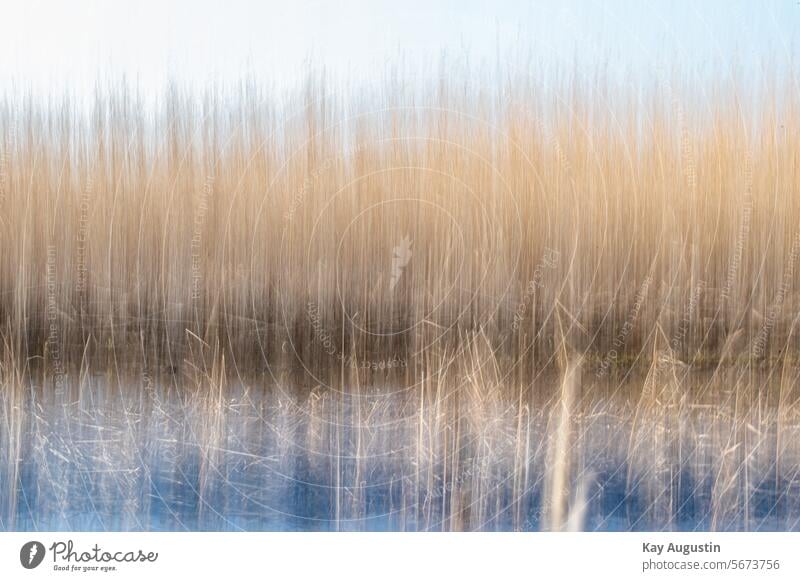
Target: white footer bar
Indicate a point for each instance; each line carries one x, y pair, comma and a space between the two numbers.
356, 556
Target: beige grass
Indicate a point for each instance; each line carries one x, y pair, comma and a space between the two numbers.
274, 225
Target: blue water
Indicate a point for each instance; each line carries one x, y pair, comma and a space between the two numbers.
262, 458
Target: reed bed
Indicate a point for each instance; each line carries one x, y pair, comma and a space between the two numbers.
493, 301
345, 220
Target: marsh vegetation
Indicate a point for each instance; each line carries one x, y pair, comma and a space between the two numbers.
494, 301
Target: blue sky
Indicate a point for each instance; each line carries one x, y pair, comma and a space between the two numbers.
50, 43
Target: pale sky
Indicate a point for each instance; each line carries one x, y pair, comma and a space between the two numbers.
48, 44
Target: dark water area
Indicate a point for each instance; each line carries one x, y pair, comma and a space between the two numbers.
142, 456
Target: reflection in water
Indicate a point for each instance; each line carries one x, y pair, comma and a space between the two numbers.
650, 452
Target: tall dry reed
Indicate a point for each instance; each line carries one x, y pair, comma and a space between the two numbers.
330, 223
